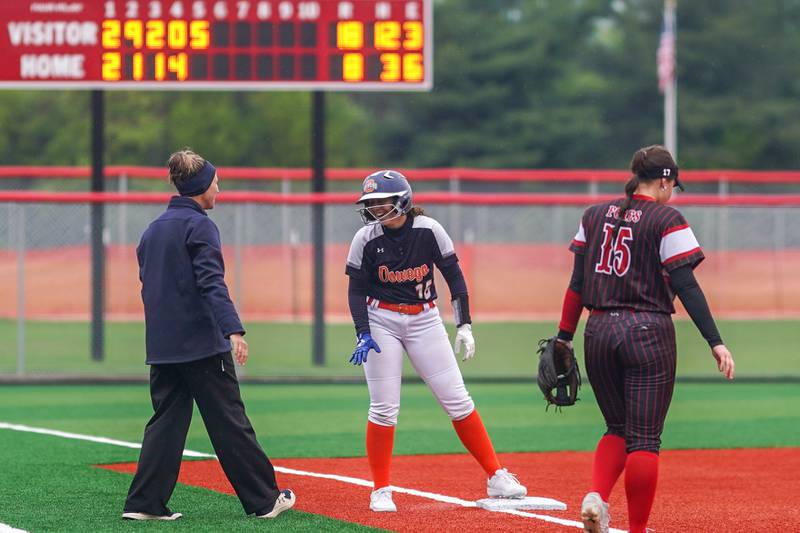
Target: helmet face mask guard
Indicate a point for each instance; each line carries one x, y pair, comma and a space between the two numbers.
370, 216
384, 185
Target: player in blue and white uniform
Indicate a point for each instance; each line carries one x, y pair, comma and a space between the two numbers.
392, 301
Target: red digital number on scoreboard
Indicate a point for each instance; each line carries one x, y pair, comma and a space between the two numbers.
228, 44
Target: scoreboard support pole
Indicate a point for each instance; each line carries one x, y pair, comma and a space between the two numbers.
97, 224
318, 224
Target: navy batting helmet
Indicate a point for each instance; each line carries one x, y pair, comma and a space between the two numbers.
385, 184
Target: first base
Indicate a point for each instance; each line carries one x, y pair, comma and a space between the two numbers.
521, 504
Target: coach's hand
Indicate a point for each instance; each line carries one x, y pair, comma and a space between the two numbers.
724, 360
363, 346
239, 348
464, 337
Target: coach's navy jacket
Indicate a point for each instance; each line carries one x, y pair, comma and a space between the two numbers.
188, 312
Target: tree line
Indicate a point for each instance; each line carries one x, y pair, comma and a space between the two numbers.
517, 84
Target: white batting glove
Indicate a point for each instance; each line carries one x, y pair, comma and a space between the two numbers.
464, 337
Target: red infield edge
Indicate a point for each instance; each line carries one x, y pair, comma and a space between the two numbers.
698, 490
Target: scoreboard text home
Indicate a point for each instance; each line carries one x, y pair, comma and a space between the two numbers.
221, 44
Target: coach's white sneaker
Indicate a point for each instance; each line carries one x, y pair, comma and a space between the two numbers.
504, 484
380, 501
594, 513
285, 501
147, 516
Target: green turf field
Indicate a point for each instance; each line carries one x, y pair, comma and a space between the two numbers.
52, 486
760, 348
48, 484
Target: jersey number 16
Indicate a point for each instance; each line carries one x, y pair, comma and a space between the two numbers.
424, 291
615, 254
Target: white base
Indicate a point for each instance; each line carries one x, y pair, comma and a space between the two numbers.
521, 504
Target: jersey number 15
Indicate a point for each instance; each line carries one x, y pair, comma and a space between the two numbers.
615, 254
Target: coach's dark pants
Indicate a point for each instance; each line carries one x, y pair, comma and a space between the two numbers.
630, 362
212, 383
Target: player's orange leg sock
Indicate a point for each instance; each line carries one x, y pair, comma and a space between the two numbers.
380, 441
608, 463
473, 436
641, 477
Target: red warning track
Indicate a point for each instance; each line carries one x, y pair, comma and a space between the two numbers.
698, 490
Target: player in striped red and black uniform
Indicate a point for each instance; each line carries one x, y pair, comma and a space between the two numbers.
632, 256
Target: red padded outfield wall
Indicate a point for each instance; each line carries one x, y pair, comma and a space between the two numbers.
507, 280
416, 174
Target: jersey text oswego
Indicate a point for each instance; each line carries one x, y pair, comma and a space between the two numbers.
395, 262
401, 276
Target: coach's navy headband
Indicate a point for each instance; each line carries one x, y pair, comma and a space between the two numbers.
199, 183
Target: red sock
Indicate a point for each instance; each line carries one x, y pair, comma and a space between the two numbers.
641, 477
608, 463
380, 441
473, 436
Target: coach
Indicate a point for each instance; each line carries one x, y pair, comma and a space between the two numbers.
191, 329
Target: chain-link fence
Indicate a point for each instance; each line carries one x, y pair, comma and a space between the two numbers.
514, 257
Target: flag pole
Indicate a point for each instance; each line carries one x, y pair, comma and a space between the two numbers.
671, 89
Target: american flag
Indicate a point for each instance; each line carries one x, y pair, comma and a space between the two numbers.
666, 50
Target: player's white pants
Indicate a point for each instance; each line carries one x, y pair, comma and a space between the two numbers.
425, 340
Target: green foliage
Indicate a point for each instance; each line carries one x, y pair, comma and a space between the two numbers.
568, 83
39, 128
143, 128
574, 84
739, 83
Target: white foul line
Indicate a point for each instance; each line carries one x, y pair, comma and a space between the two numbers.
78, 436
5, 528
291, 471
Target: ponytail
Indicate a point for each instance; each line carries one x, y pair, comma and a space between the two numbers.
416, 211
630, 188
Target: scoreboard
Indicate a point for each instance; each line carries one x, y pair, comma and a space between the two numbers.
217, 44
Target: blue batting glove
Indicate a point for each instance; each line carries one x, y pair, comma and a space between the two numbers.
363, 346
